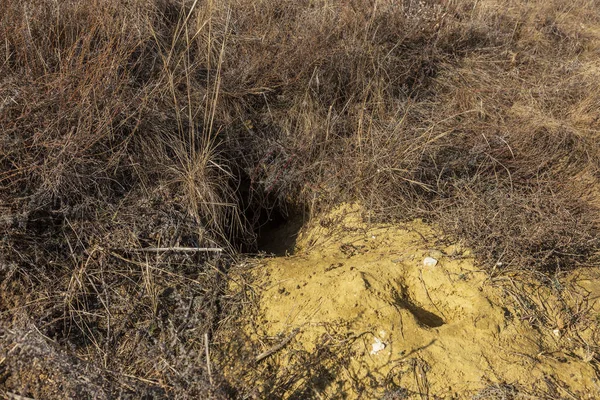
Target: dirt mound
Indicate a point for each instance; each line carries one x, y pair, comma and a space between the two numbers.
418, 313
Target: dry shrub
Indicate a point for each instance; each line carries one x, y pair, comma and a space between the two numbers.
103, 153
177, 123
33, 365
523, 227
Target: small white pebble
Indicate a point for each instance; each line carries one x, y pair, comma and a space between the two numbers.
378, 345
430, 262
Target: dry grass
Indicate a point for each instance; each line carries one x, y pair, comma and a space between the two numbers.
177, 123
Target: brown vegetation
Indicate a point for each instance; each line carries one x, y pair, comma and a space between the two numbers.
161, 123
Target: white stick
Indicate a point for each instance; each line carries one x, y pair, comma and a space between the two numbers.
177, 249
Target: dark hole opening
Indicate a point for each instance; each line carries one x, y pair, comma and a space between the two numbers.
275, 222
277, 231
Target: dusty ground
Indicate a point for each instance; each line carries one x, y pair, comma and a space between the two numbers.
447, 329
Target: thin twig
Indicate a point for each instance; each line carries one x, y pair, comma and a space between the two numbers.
280, 346
139, 378
176, 249
208, 359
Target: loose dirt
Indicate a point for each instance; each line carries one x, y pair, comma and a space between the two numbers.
446, 330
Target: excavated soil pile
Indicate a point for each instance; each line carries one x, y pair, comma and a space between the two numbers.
415, 311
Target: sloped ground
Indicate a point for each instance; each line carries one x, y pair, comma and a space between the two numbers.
448, 330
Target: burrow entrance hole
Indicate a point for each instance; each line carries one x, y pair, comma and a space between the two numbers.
275, 223
277, 230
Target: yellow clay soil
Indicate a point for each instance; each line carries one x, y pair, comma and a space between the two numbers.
446, 329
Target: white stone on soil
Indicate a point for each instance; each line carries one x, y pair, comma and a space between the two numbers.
430, 262
378, 345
